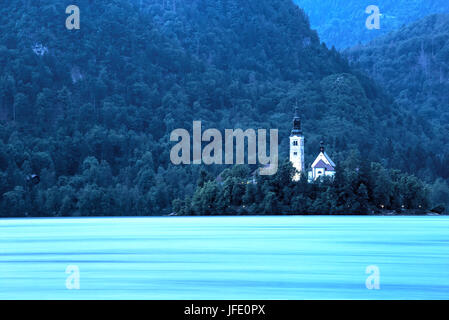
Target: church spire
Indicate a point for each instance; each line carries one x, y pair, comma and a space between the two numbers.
296, 123
297, 146
322, 146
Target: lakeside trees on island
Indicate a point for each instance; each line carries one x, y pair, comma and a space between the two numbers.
359, 187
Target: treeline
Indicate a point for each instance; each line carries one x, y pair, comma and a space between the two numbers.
359, 187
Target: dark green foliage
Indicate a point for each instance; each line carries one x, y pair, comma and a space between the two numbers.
355, 189
412, 65
439, 195
92, 116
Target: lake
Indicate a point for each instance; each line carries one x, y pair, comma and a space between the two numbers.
285, 257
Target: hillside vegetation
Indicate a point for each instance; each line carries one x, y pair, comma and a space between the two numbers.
342, 23
90, 111
413, 65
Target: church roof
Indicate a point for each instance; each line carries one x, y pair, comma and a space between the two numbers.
325, 158
329, 159
324, 165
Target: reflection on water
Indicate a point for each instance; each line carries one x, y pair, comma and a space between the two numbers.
225, 257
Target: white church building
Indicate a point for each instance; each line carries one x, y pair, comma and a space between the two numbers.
323, 166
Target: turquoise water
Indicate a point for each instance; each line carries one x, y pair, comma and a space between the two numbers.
225, 257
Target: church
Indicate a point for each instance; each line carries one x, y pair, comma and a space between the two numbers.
323, 166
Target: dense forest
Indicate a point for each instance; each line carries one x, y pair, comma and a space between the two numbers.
413, 65
342, 23
90, 111
359, 187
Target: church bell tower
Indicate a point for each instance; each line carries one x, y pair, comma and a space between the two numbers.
297, 146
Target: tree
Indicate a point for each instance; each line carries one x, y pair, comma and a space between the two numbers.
269, 204
439, 194
14, 203
361, 205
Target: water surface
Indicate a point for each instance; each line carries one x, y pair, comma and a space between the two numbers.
298, 257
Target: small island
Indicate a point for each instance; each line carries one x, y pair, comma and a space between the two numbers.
355, 186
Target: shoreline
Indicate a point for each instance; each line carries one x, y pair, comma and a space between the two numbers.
429, 214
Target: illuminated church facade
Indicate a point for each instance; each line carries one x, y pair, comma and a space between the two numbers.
323, 166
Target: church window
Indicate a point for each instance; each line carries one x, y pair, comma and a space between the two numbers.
295, 142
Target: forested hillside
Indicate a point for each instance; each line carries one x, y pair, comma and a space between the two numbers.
413, 65
342, 23
90, 111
